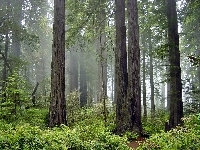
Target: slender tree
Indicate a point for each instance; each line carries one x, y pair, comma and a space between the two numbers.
83, 82
73, 71
151, 74
144, 78
57, 111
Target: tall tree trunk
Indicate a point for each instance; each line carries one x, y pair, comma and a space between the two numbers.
90, 94
151, 76
198, 69
17, 31
83, 84
104, 77
102, 53
163, 97
176, 105
144, 77
99, 82
57, 111
168, 87
73, 71
112, 82
121, 69
5, 66
134, 87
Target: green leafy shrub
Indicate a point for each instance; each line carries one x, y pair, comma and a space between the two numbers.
191, 104
34, 116
14, 97
63, 138
187, 137
156, 124
73, 107
86, 116
131, 136
87, 132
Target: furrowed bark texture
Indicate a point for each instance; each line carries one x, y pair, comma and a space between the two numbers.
176, 105
57, 112
121, 69
134, 87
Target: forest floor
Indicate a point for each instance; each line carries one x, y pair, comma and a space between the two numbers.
134, 144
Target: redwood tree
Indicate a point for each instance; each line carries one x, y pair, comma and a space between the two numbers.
176, 105
121, 69
57, 111
134, 87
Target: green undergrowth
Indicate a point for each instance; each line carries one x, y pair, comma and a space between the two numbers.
89, 133
181, 138
88, 130
156, 124
64, 138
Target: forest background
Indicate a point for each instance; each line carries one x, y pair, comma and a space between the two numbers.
98, 108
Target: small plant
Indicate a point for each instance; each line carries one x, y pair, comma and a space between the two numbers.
187, 137
14, 97
73, 107
131, 136
156, 124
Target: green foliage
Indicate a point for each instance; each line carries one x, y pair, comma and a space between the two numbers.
21, 137
88, 132
79, 138
191, 105
86, 116
162, 51
187, 137
131, 136
34, 116
73, 107
156, 124
84, 19
14, 96
192, 121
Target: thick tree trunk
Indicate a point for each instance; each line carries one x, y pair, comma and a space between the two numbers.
176, 105
134, 87
122, 116
57, 111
